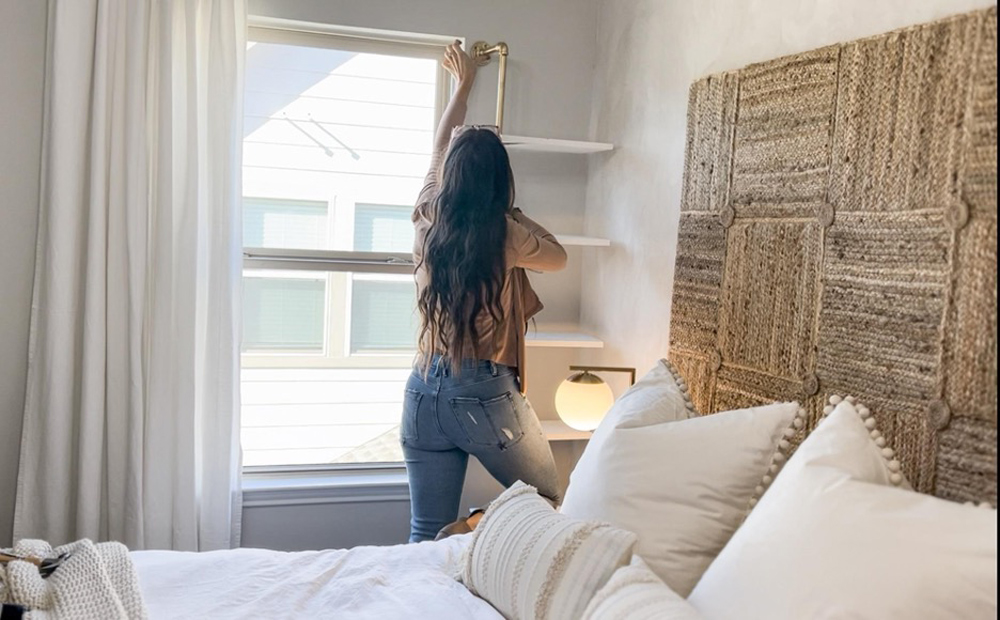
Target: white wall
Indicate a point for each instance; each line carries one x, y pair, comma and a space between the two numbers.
649, 53
22, 48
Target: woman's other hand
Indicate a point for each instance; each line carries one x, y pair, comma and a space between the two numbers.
460, 65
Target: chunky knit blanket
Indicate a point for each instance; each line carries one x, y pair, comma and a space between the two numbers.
94, 581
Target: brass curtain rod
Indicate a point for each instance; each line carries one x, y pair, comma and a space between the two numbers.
483, 52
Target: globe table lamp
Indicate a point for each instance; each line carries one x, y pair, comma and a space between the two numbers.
584, 398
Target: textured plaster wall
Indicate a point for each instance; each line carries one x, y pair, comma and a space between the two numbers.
649, 53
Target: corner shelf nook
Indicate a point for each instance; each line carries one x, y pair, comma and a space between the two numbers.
483, 52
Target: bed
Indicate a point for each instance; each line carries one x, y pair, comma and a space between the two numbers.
837, 236
364, 582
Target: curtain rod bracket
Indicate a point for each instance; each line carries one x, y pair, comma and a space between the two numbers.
482, 53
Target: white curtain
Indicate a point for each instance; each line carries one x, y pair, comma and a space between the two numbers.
131, 428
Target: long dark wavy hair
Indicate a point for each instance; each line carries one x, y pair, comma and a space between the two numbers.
463, 252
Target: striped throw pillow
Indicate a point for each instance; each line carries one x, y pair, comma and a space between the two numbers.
529, 561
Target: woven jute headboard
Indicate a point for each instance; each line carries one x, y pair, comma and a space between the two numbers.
838, 236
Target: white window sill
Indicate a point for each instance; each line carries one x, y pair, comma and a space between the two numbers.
292, 486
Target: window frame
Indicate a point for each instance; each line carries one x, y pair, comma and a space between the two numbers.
361, 40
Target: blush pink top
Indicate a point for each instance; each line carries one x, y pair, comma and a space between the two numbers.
529, 246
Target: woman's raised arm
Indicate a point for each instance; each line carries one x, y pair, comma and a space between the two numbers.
463, 69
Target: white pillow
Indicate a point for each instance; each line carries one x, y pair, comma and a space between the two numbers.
660, 396
529, 561
683, 486
837, 536
635, 593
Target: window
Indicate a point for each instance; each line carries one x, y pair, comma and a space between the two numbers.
383, 228
382, 308
283, 313
337, 138
273, 223
382, 315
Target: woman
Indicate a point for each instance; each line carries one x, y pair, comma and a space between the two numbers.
465, 395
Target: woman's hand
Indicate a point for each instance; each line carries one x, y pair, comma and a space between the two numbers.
460, 66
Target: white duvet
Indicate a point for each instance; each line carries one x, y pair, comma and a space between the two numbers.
383, 583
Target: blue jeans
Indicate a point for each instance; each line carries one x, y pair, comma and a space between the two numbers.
447, 417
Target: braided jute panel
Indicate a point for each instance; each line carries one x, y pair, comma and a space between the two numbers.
838, 236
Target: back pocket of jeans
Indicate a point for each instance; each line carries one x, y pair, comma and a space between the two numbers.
408, 424
490, 422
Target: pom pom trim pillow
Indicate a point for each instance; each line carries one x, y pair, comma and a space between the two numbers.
659, 396
682, 485
840, 535
531, 562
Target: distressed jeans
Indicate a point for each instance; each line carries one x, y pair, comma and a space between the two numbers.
479, 411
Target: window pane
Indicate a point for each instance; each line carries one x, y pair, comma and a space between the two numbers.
274, 223
283, 314
383, 315
383, 228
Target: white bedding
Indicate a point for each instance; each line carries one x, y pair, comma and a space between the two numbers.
405, 581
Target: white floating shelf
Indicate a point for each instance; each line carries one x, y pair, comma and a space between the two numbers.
563, 339
578, 240
557, 430
554, 145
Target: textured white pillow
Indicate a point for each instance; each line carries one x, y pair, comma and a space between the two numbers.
838, 536
529, 561
683, 486
635, 593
